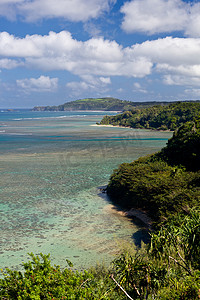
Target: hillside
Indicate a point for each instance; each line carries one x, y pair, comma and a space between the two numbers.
107, 104
104, 104
164, 183
161, 117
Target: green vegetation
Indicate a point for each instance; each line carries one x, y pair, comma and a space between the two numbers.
167, 186
41, 280
107, 104
168, 268
164, 183
104, 104
161, 117
183, 148
154, 186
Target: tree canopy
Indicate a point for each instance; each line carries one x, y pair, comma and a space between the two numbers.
161, 117
163, 183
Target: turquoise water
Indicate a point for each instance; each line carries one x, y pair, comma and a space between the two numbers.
51, 165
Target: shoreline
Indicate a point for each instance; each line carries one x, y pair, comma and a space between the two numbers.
79, 110
119, 126
132, 213
141, 215
88, 110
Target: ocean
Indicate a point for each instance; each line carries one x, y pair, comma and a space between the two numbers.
52, 165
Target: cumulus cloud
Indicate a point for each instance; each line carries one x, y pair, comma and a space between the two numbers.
12, 46
89, 83
174, 51
59, 51
100, 58
41, 84
6, 63
76, 10
161, 16
176, 57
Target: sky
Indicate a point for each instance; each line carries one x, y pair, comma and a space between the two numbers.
52, 52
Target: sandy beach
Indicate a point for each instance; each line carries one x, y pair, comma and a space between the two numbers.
96, 125
142, 216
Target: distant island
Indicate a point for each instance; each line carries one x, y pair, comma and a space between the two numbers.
159, 117
103, 104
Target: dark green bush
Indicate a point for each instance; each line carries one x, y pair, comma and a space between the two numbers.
161, 117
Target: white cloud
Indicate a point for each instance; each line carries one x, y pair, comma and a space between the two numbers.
59, 51
181, 80
12, 46
105, 80
6, 63
161, 16
89, 83
175, 51
8, 8
73, 10
186, 70
100, 58
177, 57
41, 84
138, 88
193, 21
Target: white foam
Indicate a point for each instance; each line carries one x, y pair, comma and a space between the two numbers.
46, 118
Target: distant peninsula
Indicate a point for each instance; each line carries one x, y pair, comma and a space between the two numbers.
102, 104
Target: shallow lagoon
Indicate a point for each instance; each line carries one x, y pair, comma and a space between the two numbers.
52, 164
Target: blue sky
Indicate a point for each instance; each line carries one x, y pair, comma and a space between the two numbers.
53, 52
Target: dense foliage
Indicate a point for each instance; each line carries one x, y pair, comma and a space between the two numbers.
154, 186
166, 182
168, 268
162, 117
41, 280
183, 148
